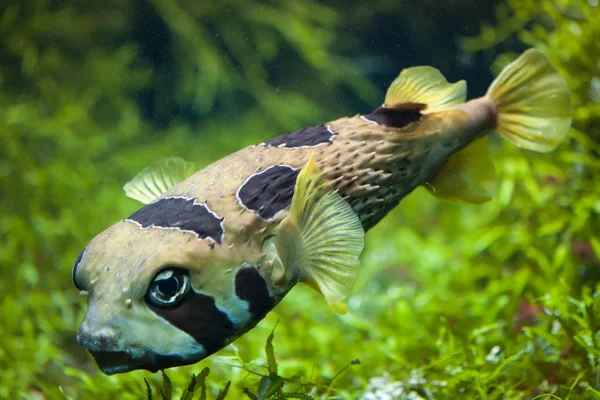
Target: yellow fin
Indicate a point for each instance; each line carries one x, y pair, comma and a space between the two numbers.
425, 85
320, 241
468, 176
154, 180
533, 103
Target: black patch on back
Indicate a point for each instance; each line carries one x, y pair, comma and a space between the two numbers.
395, 118
182, 214
304, 137
251, 287
200, 318
269, 191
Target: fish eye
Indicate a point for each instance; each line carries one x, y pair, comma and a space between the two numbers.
75, 265
169, 287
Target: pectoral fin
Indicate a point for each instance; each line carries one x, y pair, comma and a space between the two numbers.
320, 241
154, 180
425, 85
468, 175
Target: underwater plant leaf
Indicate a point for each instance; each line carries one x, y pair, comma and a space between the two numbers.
148, 390
223, 392
293, 395
248, 393
166, 390
263, 386
275, 386
188, 393
270, 352
270, 386
201, 379
340, 373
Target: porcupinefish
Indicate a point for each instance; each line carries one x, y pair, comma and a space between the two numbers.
213, 251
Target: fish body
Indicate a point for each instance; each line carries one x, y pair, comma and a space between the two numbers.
208, 257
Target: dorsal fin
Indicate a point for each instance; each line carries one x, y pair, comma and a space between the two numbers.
154, 180
425, 85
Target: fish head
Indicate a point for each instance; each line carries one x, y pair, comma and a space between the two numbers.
176, 281
163, 297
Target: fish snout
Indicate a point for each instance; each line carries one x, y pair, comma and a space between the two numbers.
99, 330
112, 358
103, 345
104, 339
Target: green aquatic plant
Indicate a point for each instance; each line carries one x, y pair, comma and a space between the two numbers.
271, 385
498, 301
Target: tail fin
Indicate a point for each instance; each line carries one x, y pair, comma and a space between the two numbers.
533, 103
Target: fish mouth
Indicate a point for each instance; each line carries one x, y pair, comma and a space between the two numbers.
117, 362
113, 362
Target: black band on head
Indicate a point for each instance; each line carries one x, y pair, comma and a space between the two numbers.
198, 316
251, 287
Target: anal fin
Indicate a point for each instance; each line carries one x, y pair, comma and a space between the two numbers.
469, 175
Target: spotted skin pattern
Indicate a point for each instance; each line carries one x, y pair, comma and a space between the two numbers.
229, 284
369, 164
215, 223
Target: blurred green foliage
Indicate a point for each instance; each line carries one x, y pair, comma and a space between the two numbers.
497, 301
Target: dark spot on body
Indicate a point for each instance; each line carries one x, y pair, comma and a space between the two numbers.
250, 286
199, 317
269, 191
394, 117
183, 214
304, 137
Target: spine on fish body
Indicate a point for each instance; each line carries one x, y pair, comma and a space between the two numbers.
213, 251
371, 165
426, 133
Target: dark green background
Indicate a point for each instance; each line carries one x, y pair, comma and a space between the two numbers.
454, 301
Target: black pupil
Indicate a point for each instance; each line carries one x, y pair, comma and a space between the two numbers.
168, 287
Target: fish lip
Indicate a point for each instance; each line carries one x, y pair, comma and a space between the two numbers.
113, 362
117, 362
154, 362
